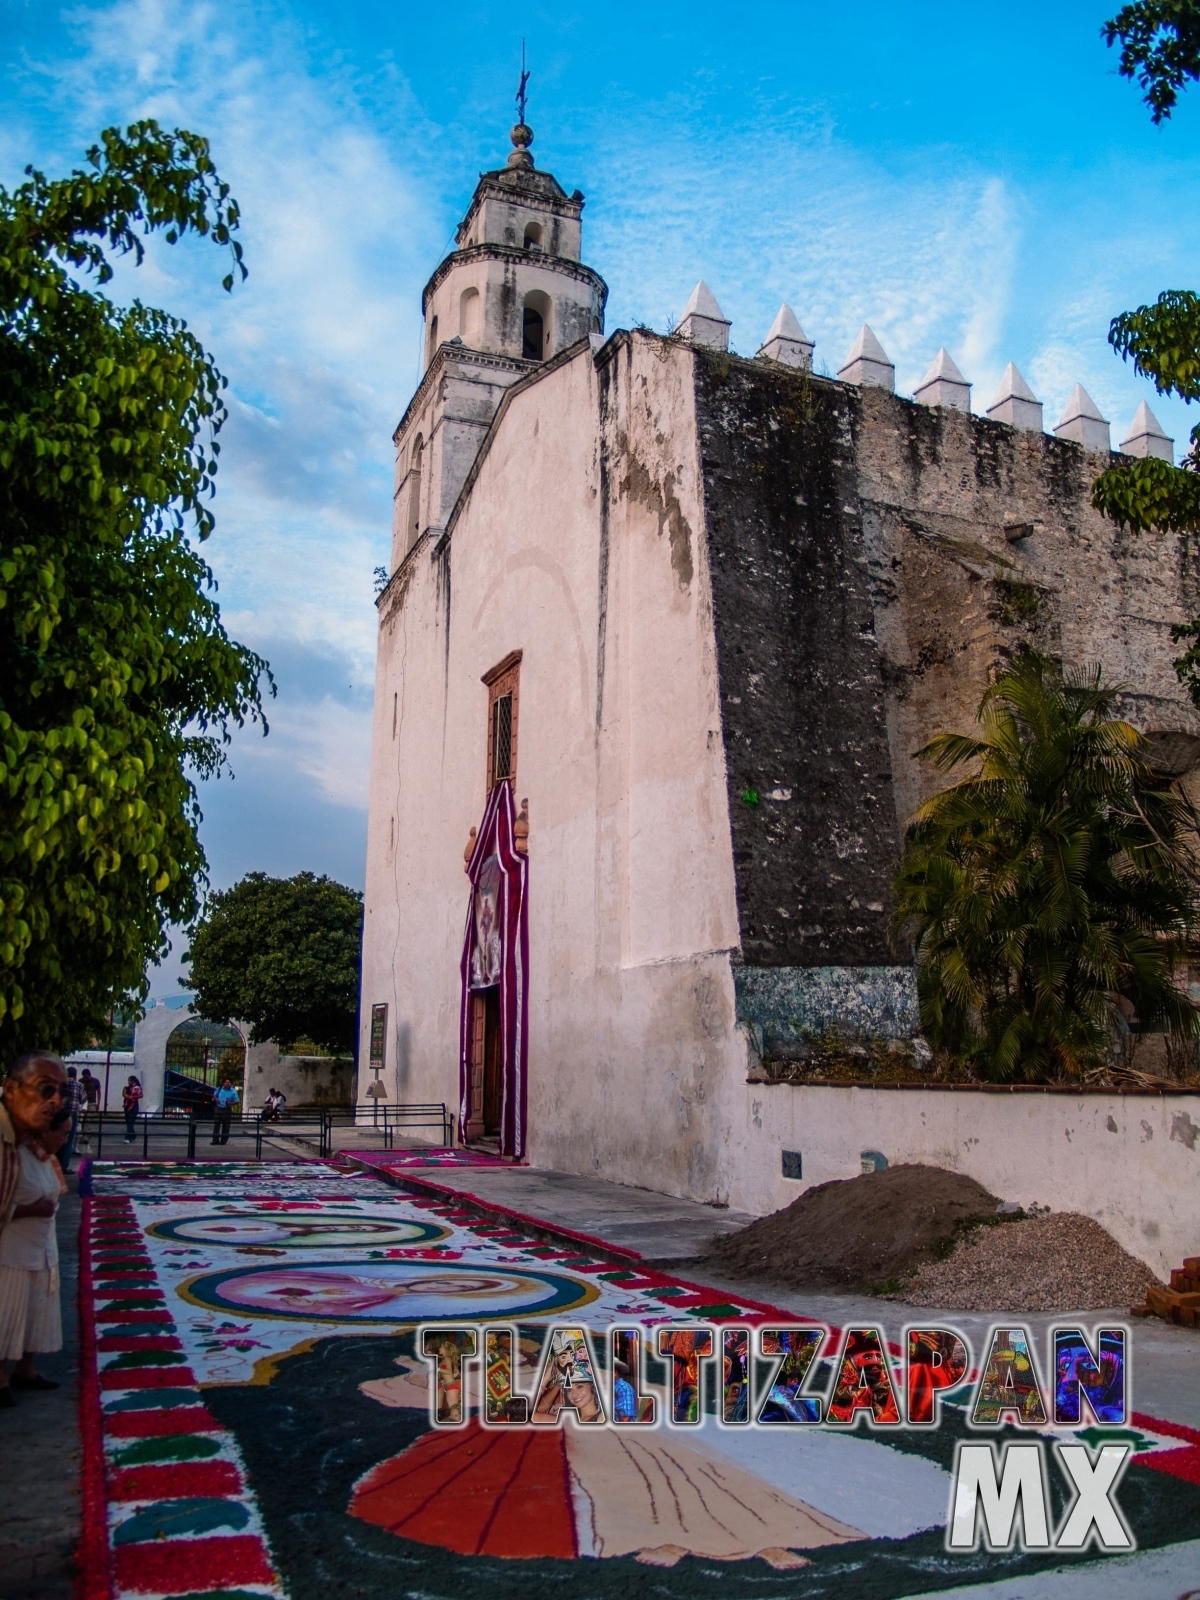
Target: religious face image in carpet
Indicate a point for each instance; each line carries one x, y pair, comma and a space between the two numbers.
391, 1291
257, 1415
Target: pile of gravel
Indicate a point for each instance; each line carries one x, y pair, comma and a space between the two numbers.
1062, 1262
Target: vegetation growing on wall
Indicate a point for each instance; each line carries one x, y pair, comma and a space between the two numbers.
1160, 47
1050, 893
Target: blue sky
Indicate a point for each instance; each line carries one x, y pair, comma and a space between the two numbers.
974, 176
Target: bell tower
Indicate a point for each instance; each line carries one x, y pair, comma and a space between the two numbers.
512, 294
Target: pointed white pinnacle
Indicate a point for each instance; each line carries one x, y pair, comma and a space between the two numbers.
868, 363
703, 303
787, 340
944, 385
785, 326
1082, 422
1016, 403
1146, 436
703, 321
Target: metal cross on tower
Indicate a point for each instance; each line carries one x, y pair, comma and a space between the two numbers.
521, 86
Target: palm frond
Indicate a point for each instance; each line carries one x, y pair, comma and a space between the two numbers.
1060, 873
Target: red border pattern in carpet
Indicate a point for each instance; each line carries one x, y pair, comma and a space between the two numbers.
1181, 1463
166, 1508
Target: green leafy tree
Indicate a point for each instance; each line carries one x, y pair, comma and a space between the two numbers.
1050, 884
1160, 47
283, 955
118, 684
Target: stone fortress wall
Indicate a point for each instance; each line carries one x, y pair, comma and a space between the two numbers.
874, 560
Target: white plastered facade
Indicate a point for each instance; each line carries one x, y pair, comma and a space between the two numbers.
578, 543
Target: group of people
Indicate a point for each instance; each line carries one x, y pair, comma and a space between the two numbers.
39, 1114
42, 1103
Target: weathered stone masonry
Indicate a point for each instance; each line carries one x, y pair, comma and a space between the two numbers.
801, 691
873, 562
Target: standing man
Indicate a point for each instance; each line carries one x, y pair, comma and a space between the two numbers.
73, 1101
224, 1101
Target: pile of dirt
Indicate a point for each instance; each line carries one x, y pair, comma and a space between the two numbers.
859, 1232
1062, 1262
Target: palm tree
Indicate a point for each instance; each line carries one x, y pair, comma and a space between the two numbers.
1055, 882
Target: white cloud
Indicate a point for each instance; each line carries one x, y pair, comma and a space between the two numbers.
319, 343
924, 260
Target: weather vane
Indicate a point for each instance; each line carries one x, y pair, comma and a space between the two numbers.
521, 86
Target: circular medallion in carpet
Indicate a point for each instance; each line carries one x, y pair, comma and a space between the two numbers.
389, 1291
325, 1230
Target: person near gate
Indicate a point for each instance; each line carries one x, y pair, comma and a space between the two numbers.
224, 1101
131, 1096
74, 1104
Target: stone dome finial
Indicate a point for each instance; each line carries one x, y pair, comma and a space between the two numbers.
522, 138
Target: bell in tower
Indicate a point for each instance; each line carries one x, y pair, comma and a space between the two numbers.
511, 295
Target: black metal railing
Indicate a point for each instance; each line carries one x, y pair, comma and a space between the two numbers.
391, 1120
387, 1122
96, 1128
316, 1125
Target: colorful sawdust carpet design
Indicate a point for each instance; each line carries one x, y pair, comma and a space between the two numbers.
259, 1420
411, 1160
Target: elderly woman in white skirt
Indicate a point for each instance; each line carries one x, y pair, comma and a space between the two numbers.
34, 1128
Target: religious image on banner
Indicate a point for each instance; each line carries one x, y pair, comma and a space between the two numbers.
495, 957
486, 952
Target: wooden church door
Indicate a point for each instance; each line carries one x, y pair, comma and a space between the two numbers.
486, 1064
491, 1062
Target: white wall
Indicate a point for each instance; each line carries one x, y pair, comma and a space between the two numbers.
118, 1064
304, 1081
1131, 1161
581, 545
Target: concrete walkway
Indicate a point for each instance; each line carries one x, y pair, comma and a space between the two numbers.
674, 1233
656, 1226
39, 1449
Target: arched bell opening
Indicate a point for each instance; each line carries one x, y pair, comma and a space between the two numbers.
469, 318
535, 326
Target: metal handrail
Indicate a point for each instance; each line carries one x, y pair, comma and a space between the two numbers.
432, 1114
388, 1120
321, 1120
93, 1124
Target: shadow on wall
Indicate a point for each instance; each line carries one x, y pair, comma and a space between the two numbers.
403, 1058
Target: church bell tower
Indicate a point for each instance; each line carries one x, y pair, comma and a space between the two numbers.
510, 296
